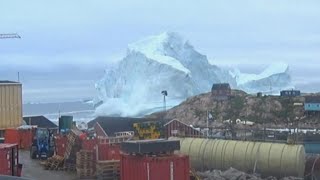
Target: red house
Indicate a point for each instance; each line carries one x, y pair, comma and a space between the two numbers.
180, 129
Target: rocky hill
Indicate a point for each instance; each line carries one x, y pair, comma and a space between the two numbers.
271, 110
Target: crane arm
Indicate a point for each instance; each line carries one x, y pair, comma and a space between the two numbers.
11, 35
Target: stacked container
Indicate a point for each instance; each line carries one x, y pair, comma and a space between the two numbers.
170, 167
9, 160
22, 137
60, 144
153, 159
107, 150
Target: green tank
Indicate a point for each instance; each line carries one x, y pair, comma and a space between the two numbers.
65, 123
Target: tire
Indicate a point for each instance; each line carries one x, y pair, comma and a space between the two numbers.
33, 152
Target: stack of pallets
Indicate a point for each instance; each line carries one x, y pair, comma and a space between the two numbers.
73, 146
85, 165
54, 163
108, 170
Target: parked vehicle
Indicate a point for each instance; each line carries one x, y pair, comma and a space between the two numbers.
42, 146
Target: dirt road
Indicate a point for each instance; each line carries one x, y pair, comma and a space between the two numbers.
33, 170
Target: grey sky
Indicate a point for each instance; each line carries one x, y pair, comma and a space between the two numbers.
93, 33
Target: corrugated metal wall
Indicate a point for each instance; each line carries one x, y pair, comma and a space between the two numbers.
10, 105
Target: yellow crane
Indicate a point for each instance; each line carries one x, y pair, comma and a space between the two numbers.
10, 36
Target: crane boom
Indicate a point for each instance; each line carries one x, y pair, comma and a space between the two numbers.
11, 35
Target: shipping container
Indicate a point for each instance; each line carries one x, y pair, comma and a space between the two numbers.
12, 136
60, 145
9, 160
10, 104
169, 167
89, 144
26, 138
107, 150
22, 137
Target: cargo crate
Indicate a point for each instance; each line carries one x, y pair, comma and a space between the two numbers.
9, 160
143, 167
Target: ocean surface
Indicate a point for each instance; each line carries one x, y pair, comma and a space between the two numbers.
80, 110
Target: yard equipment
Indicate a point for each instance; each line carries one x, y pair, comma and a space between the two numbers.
42, 146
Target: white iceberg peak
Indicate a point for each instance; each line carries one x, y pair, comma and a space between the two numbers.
153, 47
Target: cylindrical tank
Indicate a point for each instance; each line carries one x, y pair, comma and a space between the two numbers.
265, 158
65, 123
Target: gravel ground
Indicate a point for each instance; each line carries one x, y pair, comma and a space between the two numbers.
33, 170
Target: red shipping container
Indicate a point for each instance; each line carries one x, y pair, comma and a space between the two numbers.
26, 138
170, 167
12, 136
89, 144
9, 160
107, 150
60, 145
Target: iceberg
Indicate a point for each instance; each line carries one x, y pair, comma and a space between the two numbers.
272, 80
169, 62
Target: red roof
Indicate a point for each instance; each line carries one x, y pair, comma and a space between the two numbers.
6, 146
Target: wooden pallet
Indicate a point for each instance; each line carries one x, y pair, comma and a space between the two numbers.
54, 163
85, 173
85, 159
108, 170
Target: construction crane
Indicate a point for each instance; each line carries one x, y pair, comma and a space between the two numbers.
10, 36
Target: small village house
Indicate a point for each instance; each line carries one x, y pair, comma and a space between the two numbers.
221, 91
180, 129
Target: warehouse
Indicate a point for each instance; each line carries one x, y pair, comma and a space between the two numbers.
10, 105
109, 126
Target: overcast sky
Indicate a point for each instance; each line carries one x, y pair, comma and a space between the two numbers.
96, 32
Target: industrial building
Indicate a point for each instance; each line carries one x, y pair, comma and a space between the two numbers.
109, 126
10, 105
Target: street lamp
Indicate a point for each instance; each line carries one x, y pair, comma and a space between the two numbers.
164, 93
